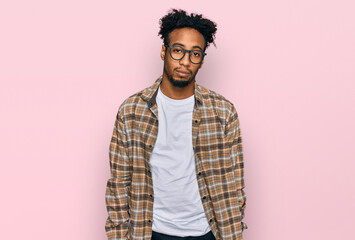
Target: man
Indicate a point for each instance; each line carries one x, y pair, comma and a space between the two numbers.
176, 153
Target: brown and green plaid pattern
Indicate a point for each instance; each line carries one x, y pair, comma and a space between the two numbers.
217, 144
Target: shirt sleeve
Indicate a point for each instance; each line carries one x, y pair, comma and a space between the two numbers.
233, 128
118, 185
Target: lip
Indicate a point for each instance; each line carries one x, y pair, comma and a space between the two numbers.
182, 73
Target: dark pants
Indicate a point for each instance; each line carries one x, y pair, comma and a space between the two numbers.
160, 236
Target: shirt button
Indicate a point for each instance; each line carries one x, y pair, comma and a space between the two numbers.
199, 173
149, 221
196, 121
150, 195
204, 197
150, 146
210, 220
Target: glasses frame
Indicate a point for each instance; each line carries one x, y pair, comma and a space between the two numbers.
189, 51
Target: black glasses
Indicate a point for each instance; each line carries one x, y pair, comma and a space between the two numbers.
178, 53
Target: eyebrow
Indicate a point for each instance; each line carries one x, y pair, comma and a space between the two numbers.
184, 45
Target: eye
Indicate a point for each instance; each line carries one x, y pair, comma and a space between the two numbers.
177, 50
197, 54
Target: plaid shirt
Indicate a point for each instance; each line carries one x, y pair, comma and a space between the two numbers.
217, 145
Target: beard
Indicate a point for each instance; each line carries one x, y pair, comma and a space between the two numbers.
180, 83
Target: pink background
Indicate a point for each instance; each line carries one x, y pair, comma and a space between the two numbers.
66, 66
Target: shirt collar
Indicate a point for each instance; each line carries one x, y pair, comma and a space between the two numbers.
149, 94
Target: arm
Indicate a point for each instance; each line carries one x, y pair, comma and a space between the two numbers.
117, 189
233, 128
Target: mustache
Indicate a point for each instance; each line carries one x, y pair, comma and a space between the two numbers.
183, 70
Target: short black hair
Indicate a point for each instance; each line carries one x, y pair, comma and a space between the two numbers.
179, 19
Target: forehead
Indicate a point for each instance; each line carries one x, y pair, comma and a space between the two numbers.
187, 36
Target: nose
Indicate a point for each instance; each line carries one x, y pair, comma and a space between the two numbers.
185, 60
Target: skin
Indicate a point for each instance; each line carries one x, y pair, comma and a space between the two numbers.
189, 39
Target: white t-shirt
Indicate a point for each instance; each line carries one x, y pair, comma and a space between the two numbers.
177, 208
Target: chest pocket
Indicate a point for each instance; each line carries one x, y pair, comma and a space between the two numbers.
216, 154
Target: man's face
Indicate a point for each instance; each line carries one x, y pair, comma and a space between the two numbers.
182, 72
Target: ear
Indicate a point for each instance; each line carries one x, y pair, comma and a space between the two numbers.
162, 52
201, 64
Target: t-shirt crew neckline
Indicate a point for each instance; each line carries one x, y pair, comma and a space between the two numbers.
177, 101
